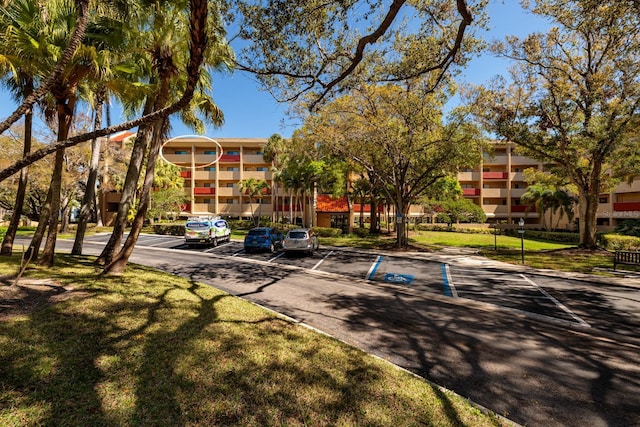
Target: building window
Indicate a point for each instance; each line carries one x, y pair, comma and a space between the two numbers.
603, 200
230, 184
232, 169
233, 153
180, 152
210, 152
207, 201
207, 185
210, 169
230, 201
262, 169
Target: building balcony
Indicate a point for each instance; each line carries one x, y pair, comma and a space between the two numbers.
229, 175
626, 206
468, 176
497, 160
266, 175
204, 190
470, 192
518, 192
495, 193
495, 210
523, 161
185, 174
519, 208
253, 159
495, 175
230, 158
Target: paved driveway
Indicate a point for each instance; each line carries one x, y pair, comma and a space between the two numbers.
538, 347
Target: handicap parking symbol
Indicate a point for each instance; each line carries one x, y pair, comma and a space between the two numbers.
404, 279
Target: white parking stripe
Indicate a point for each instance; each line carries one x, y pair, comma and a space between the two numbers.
321, 261
558, 303
454, 292
276, 257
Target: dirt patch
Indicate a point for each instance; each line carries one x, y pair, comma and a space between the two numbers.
30, 295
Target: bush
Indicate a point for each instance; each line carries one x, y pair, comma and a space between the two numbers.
169, 229
547, 236
630, 227
618, 242
327, 232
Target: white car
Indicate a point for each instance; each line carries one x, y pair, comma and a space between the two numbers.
206, 231
300, 240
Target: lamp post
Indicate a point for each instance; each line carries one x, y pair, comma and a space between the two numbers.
521, 231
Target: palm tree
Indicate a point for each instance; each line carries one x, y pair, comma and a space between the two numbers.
272, 151
167, 46
538, 196
253, 187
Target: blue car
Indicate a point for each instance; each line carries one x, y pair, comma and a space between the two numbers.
263, 238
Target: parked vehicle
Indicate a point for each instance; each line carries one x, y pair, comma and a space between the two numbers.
263, 238
301, 240
207, 231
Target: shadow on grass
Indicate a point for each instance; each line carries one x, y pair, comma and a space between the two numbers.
172, 353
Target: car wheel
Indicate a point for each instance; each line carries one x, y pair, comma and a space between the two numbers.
215, 242
272, 248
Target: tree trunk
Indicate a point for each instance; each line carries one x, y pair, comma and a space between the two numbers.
38, 235
129, 189
349, 206
90, 189
7, 242
374, 226
65, 106
48, 252
119, 262
401, 225
588, 219
65, 214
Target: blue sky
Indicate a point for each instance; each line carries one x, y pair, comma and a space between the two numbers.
253, 113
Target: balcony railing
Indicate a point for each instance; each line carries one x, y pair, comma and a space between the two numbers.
204, 190
470, 191
494, 175
519, 208
230, 158
626, 206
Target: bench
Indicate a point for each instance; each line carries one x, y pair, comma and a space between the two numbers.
626, 257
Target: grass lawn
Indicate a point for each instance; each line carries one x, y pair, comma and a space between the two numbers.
149, 348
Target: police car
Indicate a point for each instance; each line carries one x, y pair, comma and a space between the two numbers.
206, 230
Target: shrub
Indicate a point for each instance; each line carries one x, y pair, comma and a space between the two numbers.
618, 242
630, 227
169, 229
327, 232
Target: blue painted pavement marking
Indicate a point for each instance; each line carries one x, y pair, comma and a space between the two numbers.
405, 279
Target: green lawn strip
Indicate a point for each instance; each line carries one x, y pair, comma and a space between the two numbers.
149, 348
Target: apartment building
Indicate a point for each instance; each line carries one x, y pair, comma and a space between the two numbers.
497, 185
212, 170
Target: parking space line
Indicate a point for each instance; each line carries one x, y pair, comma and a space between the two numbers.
556, 302
374, 267
321, 261
449, 288
276, 257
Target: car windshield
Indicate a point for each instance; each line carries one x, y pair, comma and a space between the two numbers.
198, 225
297, 235
257, 232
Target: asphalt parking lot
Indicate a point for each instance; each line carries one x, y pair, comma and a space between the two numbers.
540, 347
523, 293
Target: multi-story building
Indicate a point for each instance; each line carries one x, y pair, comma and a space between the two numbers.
497, 185
212, 170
